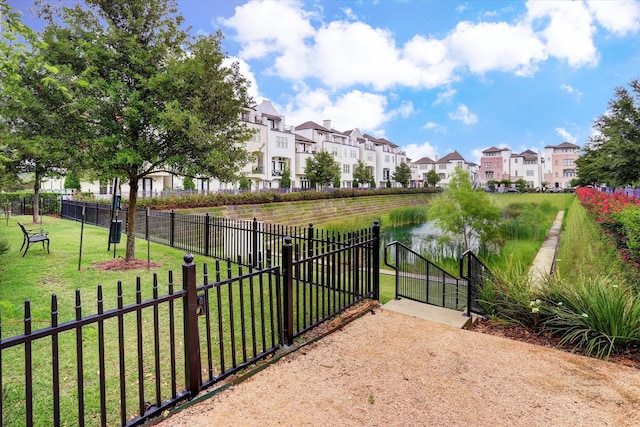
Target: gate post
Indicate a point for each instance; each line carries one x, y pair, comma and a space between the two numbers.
207, 231
376, 260
191, 336
287, 294
172, 230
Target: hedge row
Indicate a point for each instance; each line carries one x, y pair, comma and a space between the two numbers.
224, 199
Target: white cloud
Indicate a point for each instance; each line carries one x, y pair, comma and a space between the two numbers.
265, 27
566, 135
366, 111
418, 151
571, 90
464, 115
620, 19
569, 30
445, 96
430, 125
500, 46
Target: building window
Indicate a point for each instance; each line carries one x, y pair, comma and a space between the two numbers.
386, 158
488, 164
442, 166
385, 174
354, 154
346, 168
568, 162
488, 175
569, 173
104, 184
256, 137
515, 161
442, 176
370, 157
530, 162
281, 142
530, 173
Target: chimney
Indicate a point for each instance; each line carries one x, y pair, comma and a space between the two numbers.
327, 124
435, 158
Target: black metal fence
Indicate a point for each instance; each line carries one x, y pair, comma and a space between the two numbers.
476, 273
421, 280
127, 364
207, 235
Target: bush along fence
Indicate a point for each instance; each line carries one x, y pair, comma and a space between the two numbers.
127, 364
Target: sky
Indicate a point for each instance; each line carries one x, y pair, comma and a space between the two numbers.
430, 76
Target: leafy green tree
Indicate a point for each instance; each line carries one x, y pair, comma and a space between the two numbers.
245, 183
154, 98
521, 184
322, 170
361, 174
72, 181
467, 215
613, 152
188, 183
36, 121
402, 174
285, 180
433, 178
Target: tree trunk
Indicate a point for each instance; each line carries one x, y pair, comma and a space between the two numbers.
36, 198
131, 218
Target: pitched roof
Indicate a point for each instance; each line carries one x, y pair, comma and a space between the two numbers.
451, 157
491, 150
563, 145
425, 160
303, 138
312, 125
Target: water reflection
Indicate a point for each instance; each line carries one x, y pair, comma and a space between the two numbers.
424, 240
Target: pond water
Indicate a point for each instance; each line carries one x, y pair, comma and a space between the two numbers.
422, 239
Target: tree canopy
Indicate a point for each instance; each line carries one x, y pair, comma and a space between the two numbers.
361, 174
467, 215
432, 177
612, 155
402, 174
151, 97
322, 169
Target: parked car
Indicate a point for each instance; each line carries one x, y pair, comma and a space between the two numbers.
555, 190
511, 190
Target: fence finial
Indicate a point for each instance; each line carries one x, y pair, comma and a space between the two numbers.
188, 258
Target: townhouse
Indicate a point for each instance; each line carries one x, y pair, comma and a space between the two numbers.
277, 147
553, 168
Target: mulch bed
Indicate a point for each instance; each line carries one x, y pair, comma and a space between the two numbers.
519, 333
121, 264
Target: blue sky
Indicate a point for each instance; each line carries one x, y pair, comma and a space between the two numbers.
431, 76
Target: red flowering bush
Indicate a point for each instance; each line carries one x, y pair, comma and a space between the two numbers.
619, 215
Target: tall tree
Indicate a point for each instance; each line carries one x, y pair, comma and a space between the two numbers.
467, 215
361, 174
33, 110
156, 99
285, 180
402, 174
322, 169
613, 152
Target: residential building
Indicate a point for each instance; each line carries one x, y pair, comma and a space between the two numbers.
559, 164
448, 164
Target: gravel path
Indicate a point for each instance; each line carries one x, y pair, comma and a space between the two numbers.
397, 370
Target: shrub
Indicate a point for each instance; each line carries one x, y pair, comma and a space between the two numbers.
4, 246
629, 219
597, 314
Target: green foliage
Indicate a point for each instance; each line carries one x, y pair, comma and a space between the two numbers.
510, 297
597, 314
466, 214
629, 218
408, 215
322, 170
151, 105
285, 181
521, 184
188, 183
612, 155
361, 174
245, 183
433, 178
402, 174
72, 181
4, 246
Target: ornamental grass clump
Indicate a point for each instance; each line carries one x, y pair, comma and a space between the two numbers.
597, 314
510, 297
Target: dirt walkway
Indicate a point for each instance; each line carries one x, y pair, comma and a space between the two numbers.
396, 370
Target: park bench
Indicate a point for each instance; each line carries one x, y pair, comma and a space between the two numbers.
33, 236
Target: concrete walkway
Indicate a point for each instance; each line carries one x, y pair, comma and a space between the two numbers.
542, 267
540, 271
